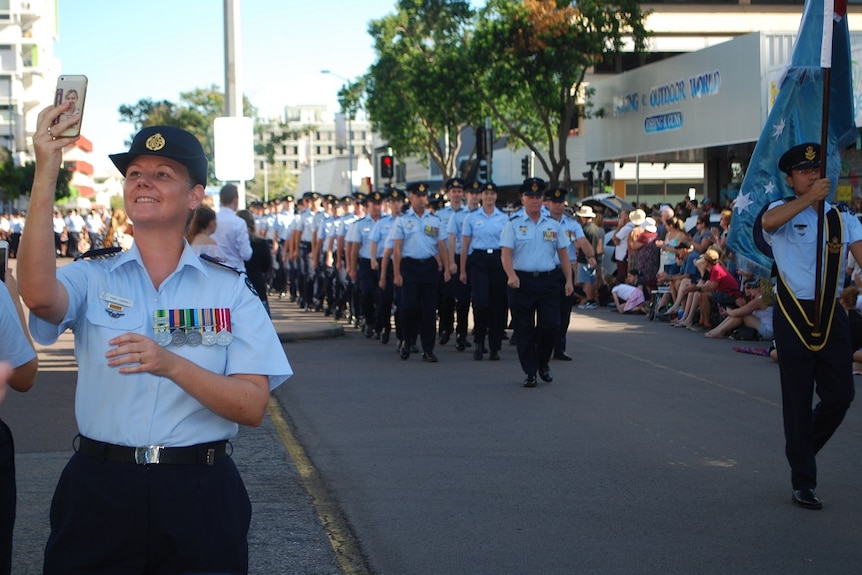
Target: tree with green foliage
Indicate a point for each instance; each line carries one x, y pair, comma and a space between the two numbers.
16, 181
418, 95
195, 113
531, 60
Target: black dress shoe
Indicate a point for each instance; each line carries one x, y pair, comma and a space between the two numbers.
807, 498
405, 351
545, 374
512, 340
530, 381
414, 349
477, 355
444, 337
429, 357
494, 356
459, 344
562, 356
384, 337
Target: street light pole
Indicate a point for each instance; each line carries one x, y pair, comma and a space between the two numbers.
349, 135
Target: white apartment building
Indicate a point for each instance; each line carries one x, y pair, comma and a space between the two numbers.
311, 143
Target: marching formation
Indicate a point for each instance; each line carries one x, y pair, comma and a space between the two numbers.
416, 262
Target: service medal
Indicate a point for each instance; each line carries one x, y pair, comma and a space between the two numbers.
224, 338
194, 338
179, 338
163, 337
208, 337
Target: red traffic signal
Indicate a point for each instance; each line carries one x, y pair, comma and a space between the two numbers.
387, 167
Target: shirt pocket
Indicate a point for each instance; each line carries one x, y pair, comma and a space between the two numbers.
802, 235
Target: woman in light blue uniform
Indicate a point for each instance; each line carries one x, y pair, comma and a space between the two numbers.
480, 261
173, 354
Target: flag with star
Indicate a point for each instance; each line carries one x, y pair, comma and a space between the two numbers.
823, 41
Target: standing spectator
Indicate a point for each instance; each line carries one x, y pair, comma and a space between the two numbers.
529, 243
645, 254
16, 352
625, 226
588, 276
120, 233
16, 229
61, 237
95, 223
259, 265
75, 227
231, 233
173, 353
199, 233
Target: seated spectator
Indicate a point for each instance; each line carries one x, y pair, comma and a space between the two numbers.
717, 288
755, 312
631, 295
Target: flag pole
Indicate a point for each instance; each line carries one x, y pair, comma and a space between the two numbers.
824, 141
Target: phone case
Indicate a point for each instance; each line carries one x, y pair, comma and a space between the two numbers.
71, 88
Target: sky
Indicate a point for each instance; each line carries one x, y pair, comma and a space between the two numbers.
159, 48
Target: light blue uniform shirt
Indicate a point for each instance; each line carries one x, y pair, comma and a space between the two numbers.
793, 246
573, 231
534, 245
456, 224
420, 235
484, 230
380, 232
359, 233
139, 409
15, 348
445, 214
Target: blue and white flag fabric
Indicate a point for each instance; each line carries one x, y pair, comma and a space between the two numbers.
823, 41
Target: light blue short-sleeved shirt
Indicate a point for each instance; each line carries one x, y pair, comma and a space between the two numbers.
456, 224
420, 235
360, 233
380, 233
573, 231
114, 296
534, 245
15, 348
795, 253
484, 230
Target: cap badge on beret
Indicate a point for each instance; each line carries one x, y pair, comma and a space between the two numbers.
534, 186
810, 154
155, 142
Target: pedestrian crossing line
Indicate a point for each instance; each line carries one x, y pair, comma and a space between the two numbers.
337, 529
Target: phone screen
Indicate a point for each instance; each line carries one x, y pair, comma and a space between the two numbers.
71, 90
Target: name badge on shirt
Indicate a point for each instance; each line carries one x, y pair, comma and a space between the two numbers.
115, 306
549, 236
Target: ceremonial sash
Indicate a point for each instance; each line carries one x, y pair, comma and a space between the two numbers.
798, 312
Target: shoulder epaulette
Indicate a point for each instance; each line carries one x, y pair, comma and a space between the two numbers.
99, 254
215, 261
209, 259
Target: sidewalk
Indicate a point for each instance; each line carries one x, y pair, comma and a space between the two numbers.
295, 324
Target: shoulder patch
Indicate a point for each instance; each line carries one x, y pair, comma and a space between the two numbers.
99, 254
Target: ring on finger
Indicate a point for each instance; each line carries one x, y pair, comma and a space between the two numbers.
49, 132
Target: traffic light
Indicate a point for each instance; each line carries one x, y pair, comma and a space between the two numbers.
387, 167
525, 166
483, 171
607, 177
588, 175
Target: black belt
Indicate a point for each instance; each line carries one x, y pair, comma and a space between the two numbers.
420, 260
485, 251
201, 454
536, 274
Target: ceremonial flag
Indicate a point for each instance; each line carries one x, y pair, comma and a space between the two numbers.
823, 41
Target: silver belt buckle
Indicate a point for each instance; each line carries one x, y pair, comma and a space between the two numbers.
489, 251
148, 454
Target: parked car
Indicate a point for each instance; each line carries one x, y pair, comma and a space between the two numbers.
609, 206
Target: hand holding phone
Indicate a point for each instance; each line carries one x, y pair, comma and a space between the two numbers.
71, 90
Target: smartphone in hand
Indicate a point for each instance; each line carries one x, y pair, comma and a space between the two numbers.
71, 89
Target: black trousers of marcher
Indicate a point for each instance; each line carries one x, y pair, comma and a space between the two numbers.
7, 497
488, 294
536, 316
419, 293
829, 373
